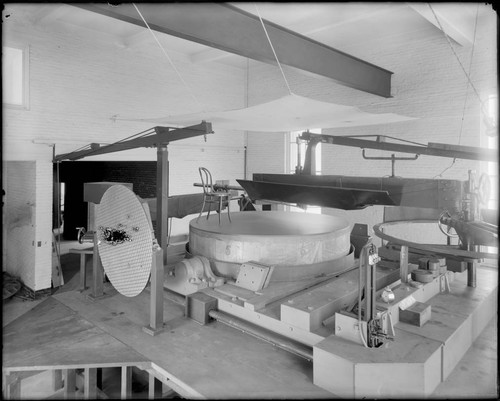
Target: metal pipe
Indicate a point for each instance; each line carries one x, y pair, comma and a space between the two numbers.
220, 186
261, 334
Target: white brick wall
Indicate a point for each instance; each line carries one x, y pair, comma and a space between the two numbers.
78, 82
20, 220
428, 83
43, 225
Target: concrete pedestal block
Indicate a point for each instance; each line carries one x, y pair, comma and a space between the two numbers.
407, 367
198, 305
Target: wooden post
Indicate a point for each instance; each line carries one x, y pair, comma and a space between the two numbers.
57, 379
69, 383
91, 212
83, 272
403, 264
90, 384
154, 387
156, 296
126, 383
97, 272
12, 387
162, 198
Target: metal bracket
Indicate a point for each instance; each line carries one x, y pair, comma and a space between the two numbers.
254, 276
393, 159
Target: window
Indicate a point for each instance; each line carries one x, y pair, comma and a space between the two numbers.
490, 140
15, 73
297, 148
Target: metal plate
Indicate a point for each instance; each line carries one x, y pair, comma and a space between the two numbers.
128, 263
252, 276
340, 198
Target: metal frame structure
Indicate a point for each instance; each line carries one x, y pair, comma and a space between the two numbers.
160, 139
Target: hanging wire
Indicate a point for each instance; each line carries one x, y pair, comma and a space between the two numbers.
469, 82
272, 47
169, 59
456, 55
446, 169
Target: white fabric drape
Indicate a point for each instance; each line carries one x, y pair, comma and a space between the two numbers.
288, 113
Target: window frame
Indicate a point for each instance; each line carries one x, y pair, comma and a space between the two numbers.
490, 142
291, 151
25, 80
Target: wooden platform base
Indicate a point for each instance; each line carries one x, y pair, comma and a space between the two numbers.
68, 331
420, 357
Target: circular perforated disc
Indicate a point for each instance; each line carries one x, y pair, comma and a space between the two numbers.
127, 264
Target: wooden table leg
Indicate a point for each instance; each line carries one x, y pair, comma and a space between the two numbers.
83, 272
97, 273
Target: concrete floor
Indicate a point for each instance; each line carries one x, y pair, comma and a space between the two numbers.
475, 376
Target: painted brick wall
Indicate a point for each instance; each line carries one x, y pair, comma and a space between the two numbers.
83, 88
265, 150
19, 213
428, 84
43, 237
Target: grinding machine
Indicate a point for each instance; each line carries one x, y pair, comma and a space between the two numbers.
317, 286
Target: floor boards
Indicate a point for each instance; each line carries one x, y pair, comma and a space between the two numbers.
219, 361
51, 335
215, 360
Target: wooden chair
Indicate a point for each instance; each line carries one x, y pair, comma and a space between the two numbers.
211, 195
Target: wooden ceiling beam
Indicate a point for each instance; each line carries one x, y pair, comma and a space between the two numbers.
228, 28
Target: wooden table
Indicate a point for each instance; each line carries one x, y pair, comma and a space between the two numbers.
83, 253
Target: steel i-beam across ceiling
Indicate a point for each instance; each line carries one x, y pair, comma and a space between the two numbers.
228, 28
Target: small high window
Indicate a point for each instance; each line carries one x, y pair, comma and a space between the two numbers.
15, 74
296, 149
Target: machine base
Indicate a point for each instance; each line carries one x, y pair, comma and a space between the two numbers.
420, 357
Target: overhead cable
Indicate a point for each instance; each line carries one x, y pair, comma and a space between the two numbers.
169, 59
272, 48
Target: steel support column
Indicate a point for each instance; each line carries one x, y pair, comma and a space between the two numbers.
162, 199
